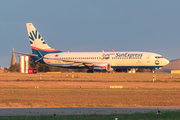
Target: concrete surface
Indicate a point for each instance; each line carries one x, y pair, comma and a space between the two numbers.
82, 110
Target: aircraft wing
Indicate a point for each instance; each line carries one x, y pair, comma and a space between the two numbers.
28, 54
77, 61
88, 63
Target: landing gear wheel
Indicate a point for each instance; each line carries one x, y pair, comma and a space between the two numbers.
90, 71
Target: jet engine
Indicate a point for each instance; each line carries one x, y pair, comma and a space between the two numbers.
102, 67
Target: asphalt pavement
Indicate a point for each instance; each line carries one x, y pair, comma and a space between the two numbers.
82, 110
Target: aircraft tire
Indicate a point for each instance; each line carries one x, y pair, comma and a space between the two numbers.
90, 71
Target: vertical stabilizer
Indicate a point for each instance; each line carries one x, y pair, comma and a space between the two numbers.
37, 42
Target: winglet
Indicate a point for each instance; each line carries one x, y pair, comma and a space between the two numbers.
112, 50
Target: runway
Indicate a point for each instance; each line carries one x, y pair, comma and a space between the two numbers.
82, 110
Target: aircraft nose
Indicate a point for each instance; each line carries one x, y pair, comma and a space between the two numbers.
166, 62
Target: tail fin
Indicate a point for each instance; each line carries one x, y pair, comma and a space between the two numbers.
37, 42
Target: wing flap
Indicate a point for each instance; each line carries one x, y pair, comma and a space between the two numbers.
74, 61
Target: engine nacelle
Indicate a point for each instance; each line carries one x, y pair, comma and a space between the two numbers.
130, 70
102, 67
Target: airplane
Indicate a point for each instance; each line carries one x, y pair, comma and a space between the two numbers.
92, 61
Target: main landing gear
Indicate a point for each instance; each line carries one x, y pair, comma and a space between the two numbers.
90, 71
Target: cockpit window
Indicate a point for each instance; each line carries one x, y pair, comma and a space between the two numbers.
158, 57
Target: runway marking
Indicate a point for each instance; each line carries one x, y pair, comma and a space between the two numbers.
116, 86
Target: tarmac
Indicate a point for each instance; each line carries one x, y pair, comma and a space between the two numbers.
82, 110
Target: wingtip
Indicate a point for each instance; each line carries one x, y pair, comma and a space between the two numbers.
112, 50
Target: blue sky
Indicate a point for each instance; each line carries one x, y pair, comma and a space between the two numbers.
92, 25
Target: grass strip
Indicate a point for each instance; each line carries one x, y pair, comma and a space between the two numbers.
25, 98
91, 77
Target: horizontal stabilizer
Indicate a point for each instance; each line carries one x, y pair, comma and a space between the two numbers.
28, 54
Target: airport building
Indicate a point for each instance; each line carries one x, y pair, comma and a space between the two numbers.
24, 63
1, 69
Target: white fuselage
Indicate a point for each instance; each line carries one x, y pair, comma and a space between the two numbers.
115, 59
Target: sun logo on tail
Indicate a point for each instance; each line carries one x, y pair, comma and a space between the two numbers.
34, 35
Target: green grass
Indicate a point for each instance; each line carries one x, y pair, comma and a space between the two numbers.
165, 115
